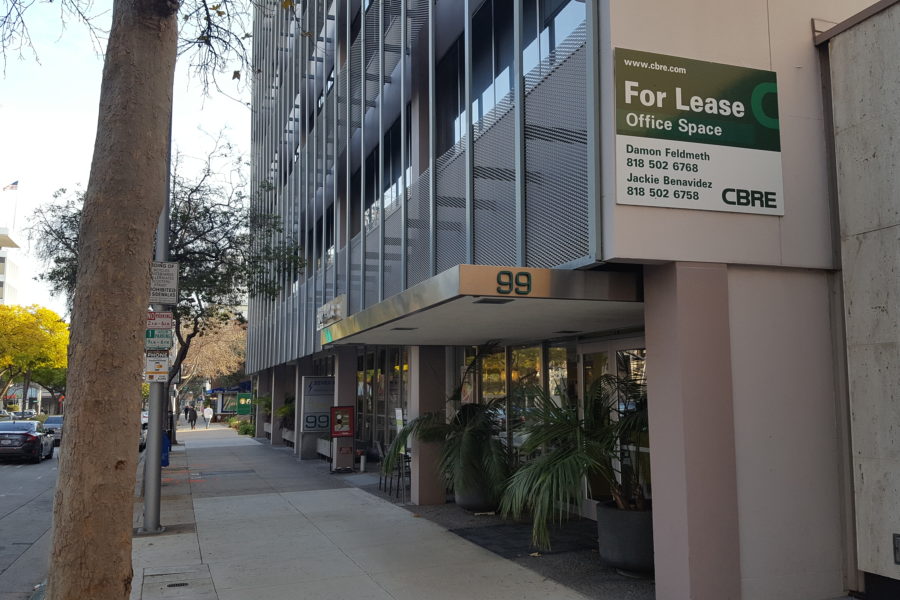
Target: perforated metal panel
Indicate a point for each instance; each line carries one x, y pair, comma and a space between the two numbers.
495, 188
556, 229
418, 226
355, 275
393, 251
372, 258
450, 206
355, 88
341, 271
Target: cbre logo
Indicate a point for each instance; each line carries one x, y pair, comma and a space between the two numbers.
739, 197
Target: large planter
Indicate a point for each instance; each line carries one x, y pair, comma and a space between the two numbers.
625, 539
475, 500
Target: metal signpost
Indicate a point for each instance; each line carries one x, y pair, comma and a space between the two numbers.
158, 341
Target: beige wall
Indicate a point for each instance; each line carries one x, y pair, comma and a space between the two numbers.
759, 34
787, 445
865, 90
745, 443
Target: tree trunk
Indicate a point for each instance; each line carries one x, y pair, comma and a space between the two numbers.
26, 383
91, 552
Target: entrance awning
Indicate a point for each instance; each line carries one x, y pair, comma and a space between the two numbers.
474, 304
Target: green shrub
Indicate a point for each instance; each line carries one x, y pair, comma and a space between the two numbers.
246, 428
234, 422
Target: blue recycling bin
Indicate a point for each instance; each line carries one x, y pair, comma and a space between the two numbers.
166, 446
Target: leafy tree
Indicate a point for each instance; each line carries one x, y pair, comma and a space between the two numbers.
52, 379
214, 355
31, 338
126, 192
209, 238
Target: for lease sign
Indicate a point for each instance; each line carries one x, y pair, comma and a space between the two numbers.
697, 135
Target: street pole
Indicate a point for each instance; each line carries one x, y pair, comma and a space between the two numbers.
158, 390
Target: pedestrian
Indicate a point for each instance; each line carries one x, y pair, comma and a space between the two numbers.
192, 417
208, 415
186, 411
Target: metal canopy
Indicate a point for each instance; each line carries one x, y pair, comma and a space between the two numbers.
473, 304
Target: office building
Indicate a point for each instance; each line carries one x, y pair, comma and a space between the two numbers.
652, 189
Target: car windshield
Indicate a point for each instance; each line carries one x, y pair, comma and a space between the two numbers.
17, 426
53, 421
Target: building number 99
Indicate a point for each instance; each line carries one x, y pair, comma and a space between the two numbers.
518, 283
314, 421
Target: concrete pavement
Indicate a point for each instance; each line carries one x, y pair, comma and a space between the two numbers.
245, 520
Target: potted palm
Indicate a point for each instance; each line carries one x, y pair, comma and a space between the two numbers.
474, 460
598, 442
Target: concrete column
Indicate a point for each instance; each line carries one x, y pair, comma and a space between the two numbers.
345, 376
305, 443
278, 394
263, 388
692, 440
427, 375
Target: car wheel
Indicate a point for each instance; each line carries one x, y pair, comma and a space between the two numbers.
50, 453
38, 455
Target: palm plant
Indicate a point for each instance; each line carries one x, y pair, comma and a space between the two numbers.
474, 462
570, 445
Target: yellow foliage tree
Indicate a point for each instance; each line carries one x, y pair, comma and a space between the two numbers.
31, 337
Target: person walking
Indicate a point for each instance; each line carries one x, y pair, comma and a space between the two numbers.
192, 417
208, 415
186, 411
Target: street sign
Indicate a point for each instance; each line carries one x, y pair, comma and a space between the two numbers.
159, 320
157, 339
164, 283
157, 366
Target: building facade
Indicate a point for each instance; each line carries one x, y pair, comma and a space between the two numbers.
642, 188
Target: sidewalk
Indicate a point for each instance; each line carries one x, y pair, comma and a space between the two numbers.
246, 520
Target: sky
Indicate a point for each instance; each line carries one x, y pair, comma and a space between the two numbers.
48, 119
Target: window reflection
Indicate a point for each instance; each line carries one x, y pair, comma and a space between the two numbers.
545, 25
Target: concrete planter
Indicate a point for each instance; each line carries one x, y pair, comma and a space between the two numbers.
625, 539
323, 447
287, 434
267, 427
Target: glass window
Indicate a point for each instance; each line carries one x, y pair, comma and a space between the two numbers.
482, 62
448, 76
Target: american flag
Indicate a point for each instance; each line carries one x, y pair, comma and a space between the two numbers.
13, 186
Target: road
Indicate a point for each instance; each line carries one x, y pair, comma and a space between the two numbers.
26, 509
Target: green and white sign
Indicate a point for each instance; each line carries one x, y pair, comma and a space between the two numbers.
697, 135
157, 339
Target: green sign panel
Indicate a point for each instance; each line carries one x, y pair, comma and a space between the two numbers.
244, 404
158, 339
672, 98
697, 135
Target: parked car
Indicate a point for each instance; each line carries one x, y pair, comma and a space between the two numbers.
54, 425
25, 439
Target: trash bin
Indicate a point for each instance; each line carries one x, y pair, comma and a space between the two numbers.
166, 446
